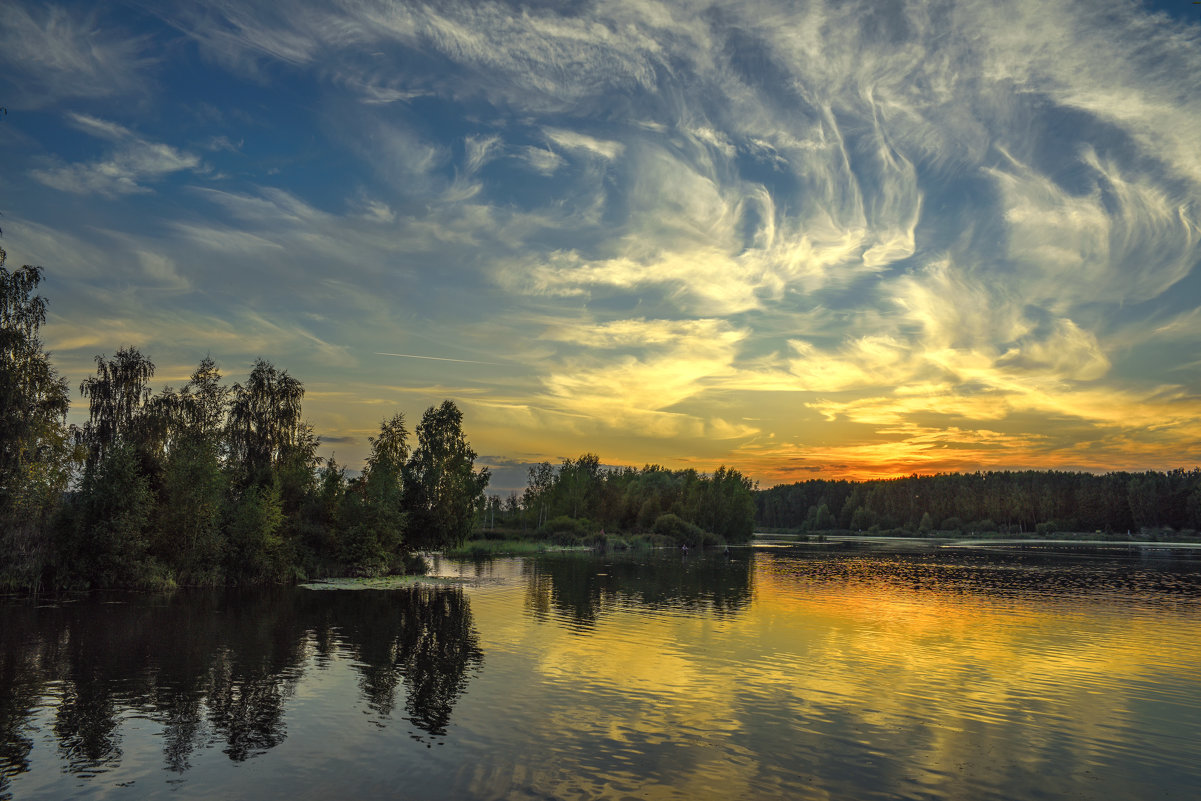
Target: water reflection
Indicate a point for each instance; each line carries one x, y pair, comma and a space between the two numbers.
580, 587
421, 637
1147, 577
219, 668
799, 675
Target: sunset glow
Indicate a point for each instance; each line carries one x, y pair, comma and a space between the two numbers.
809, 240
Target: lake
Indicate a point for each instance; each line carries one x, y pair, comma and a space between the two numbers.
777, 672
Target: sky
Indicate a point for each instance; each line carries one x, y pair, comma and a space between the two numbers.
808, 240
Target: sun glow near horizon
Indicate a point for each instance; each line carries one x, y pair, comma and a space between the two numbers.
804, 240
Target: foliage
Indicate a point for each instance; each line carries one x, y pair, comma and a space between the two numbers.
207, 484
255, 551
116, 395
110, 544
680, 531
629, 499
265, 422
36, 448
441, 486
1016, 503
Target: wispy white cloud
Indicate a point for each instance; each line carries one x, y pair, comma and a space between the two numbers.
978, 216
52, 52
133, 163
573, 140
541, 159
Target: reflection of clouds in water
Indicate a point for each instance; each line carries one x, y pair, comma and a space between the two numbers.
973, 675
832, 675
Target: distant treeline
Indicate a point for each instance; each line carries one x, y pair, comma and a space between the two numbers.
1032, 502
580, 498
207, 484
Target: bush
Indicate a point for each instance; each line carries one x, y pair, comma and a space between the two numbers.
563, 530
680, 531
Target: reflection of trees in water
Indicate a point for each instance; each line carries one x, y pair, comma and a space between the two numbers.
421, 636
86, 726
246, 710
19, 691
217, 668
580, 587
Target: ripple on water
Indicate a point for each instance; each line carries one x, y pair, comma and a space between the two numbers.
982, 676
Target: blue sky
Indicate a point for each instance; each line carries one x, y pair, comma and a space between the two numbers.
805, 239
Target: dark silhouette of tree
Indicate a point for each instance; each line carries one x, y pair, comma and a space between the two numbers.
374, 514
265, 421
1011, 502
441, 484
36, 453
187, 532
116, 394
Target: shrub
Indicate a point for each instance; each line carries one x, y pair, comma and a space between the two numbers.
679, 530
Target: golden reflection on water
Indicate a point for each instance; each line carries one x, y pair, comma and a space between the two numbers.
771, 674
831, 688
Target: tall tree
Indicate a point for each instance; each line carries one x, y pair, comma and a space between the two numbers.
375, 515
188, 533
35, 450
264, 421
116, 395
441, 484
536, 497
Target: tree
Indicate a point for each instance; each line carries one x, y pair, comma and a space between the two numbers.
579, 484
36, 454
536, 496
374, 538
440, 484
265, 422
116, 395
189, 427
109, 545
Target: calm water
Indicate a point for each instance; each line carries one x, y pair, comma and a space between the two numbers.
775, 673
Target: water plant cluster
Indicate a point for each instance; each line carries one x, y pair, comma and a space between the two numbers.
208, 484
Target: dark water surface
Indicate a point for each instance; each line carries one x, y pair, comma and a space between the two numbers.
776, 673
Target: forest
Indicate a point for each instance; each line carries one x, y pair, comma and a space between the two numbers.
206, 484
579, 500
1161, 505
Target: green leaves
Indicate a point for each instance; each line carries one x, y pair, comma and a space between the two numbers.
441, 484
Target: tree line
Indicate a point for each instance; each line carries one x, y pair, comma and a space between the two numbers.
208, 484
580, 497
1013, 502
